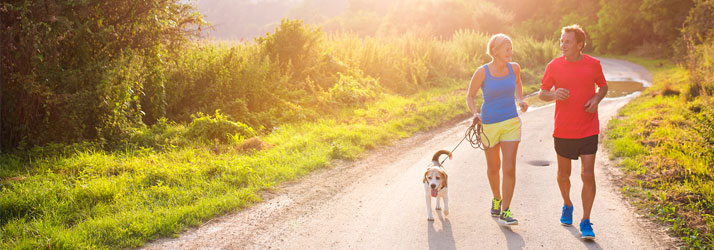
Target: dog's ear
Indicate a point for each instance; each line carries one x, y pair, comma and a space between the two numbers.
445, 178
425, 172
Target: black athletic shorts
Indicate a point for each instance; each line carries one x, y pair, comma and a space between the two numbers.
574, 148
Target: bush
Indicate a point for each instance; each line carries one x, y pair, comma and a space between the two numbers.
64, 65
217, 128
294, 45
354, 89
160, 135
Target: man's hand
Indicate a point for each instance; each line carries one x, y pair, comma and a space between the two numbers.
477, 119
591, 105
562, 94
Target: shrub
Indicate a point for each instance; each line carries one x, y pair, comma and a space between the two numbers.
354, 89
217, 127
293, 44
63, 65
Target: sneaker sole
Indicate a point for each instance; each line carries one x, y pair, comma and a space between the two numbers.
587, 237
495, 215
503, 222
566, 224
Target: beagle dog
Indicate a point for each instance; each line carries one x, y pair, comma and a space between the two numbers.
436, 185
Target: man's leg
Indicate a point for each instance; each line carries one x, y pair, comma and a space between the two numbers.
587, 174
564, 167
509, 151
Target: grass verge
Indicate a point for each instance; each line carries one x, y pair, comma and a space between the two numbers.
92, 199
660, 142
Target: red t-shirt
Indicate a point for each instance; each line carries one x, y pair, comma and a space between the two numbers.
580, 78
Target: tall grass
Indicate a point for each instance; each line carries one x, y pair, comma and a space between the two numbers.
244, 82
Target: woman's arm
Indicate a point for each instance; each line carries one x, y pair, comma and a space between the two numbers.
519, 87
474, 86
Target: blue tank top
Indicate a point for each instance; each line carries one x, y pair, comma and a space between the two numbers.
499, 103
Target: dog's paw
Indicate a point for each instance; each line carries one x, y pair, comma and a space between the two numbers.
437, 208
446, 211
430, 218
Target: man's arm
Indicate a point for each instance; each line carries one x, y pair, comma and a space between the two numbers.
558, 94
546, 95
591, 105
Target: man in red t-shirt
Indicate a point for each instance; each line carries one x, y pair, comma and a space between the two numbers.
570, 80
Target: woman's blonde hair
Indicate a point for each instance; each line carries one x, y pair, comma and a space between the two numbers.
496, 41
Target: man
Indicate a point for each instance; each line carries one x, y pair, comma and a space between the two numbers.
573, 78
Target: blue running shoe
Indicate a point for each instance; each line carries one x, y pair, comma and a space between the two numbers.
566, 218
586, 230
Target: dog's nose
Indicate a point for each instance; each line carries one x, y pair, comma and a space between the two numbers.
433, 185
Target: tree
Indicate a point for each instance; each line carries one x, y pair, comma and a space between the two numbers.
65, 65
666, 17
620, 26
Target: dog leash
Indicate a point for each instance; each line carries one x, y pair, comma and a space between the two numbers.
473, 134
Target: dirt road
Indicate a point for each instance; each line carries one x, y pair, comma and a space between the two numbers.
378, 202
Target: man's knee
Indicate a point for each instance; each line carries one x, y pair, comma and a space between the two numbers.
563, 176
587, 176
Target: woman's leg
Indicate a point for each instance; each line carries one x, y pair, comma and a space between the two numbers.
493, 163
509, 149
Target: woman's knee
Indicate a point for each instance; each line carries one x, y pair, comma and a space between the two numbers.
493, 169
510, 171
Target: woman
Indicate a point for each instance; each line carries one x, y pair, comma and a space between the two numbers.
500, 81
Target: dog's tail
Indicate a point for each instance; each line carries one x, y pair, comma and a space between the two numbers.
439, 153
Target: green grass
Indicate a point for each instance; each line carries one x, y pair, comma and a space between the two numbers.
658, 142
85, 198
344, 95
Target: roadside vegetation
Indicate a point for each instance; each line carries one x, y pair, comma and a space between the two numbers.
173, 136
664, 143
79, 196
121, 125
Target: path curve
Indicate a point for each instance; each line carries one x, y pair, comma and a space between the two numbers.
378, 202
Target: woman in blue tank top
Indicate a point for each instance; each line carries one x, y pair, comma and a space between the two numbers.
500, 82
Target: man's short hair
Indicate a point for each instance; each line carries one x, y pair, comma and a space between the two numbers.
579, 32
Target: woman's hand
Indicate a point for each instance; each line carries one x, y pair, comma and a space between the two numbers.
523, 105
476, 119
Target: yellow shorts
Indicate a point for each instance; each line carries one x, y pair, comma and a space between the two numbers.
508, 130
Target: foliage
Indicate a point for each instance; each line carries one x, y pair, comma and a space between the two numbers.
234, 78
666, 18
293, 44
663, 143
95, 199
355, 89
218, 127
66, 66
699, 26
620, 27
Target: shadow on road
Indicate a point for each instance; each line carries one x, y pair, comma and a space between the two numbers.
589, 244
513, 239
443, 239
